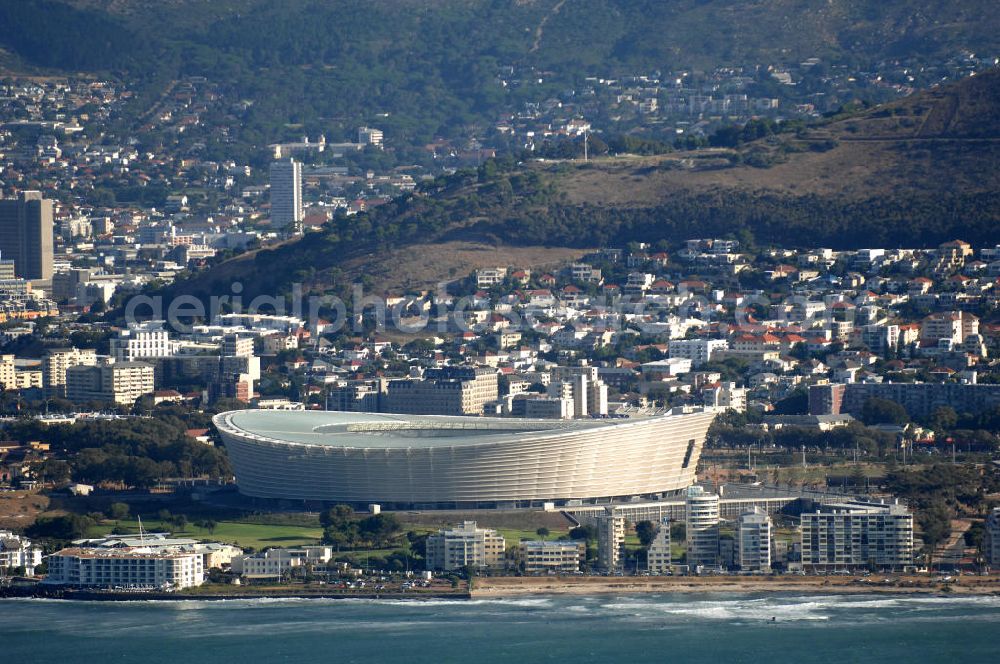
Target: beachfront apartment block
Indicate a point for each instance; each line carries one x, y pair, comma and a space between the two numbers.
465, 545
702, 525
18, 552
753, 541
855, 534
991, 538
548, 557
658, 556
275, 563
97, 567
610, 540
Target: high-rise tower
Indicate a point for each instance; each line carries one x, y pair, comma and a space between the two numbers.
26, 235
286, 195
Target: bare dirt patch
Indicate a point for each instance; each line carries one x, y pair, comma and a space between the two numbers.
19, 509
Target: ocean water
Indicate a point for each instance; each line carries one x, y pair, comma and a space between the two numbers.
608, 628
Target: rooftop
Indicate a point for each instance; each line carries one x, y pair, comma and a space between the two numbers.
382, 431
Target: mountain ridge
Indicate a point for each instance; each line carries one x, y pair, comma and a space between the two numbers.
901, 189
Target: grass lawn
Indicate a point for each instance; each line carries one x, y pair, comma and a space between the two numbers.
256, 535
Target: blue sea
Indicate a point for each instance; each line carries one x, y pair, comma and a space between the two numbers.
632, 628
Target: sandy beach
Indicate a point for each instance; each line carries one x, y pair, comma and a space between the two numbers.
519, 586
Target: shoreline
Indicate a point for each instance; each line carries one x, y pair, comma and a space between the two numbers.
501, 587
511, 587
83, 595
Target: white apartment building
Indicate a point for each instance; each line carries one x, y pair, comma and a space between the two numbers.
844, 535
991, 538
547, 557
541, 407
17, 551
370, 136
699, 351
753, 541
94, 567
274, 563
142, 340
214, 554
14, 378
121, 383
286, 195
955, 326
658, 555
581, 384
702, 510
56, 362
610, 541
236, 345
254, 324
725, 395
443, 391
465, 545
490, 276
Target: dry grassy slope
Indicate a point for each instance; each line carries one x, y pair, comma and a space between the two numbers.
943, 139
423, 267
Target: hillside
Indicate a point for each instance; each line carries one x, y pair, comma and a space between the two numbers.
916, 172
431, 68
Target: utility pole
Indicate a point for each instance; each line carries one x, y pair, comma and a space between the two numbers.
586, 156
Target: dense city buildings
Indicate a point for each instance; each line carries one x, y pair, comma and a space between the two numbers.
852, 535
465, 546
550, 379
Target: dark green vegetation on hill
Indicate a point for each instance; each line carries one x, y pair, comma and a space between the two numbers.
913, 173
326, 66
135, 452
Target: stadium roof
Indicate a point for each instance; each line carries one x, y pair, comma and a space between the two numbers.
382, 431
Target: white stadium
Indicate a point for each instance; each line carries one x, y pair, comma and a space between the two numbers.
449, 462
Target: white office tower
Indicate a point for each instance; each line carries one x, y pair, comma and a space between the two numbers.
658, 554
702, 527
753, 541
991, 539
286, 195
610, 541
